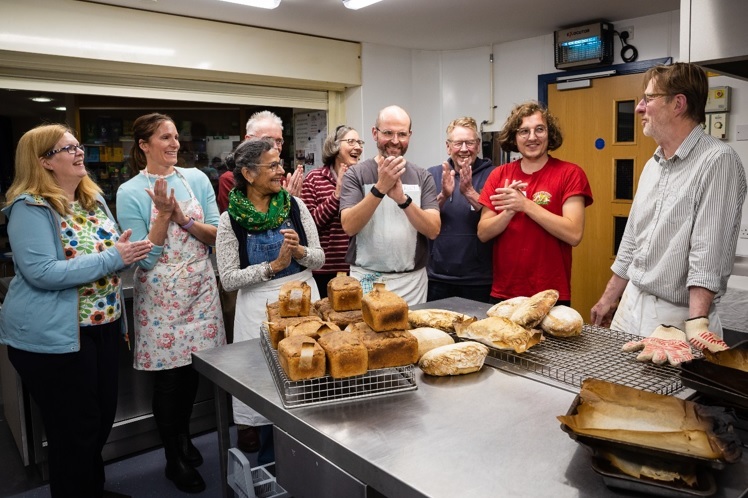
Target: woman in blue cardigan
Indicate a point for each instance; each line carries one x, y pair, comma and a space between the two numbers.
63, 316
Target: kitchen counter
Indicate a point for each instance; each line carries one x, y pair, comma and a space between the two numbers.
491, 433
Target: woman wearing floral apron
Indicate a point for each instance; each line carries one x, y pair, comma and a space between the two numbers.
176, 305
265, 239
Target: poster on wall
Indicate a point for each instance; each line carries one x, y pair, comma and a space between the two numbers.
310, 131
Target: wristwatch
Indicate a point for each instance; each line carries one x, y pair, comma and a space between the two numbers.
376, 193
406, 203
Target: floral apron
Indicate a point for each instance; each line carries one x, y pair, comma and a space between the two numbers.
177, 310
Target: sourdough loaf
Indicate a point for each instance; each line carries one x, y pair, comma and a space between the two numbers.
384, 310
506, 308
454, 359
295, 299
277, 326
392, 348
346, 354
435, 318
429, 338
501, 333
301, 358
531, 312
345, 293
311, 328
342, 319
562, 321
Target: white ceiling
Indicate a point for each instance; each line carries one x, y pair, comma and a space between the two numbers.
415, 24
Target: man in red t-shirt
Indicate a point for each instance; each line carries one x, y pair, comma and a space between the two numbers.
534, 208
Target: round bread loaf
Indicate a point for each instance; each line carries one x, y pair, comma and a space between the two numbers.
562, 321
430, 338
454, 359
506, 308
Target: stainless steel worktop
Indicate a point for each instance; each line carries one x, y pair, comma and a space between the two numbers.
492, 433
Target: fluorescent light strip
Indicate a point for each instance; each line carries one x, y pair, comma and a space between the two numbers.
358, 4
263, 4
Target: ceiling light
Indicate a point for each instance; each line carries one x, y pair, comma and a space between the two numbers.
61, 108
263, 4
358, 4
41, 99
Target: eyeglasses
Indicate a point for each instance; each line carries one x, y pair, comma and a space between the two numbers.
271, 166
540, 131
278, 141
457, 144
70, 149
649, 97
352, 142
389, 134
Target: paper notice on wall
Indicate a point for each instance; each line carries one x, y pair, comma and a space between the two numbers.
310, 131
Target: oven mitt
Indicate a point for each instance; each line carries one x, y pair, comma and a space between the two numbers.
697, 332
666, 344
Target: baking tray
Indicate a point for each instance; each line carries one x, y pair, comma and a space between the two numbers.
716, 392
595, 353
326, 390
598, 444
615, 478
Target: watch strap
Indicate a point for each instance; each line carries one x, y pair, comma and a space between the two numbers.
407, 202
376, 193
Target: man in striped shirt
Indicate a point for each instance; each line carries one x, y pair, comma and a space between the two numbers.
678, 247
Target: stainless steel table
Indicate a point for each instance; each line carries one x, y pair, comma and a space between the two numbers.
492, 433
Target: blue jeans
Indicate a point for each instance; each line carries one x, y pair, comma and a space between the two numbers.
265, 246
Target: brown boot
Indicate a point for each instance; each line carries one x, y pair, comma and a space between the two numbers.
249, 439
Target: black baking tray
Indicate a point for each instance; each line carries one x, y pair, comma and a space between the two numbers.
599, 445
615, 478
716, 391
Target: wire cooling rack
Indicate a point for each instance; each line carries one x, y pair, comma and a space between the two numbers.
323, 390
595, 353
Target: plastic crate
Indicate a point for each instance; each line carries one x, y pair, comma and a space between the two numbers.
250, 482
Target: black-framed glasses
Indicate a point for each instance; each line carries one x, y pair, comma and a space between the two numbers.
649, 97
70, 149
278, 141
457, 144
389, 134
353, 141
271, 166
540, 131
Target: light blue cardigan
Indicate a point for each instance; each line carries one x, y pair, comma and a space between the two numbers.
40, 311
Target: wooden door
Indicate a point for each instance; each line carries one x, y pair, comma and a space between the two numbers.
603, 135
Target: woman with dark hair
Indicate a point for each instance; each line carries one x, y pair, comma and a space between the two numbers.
321, 194
177, 308
266, 238
64, 316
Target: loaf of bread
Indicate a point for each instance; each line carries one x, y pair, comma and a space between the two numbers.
454, 359
346, 354
342, 319
301, 358
506, 308
429, 338
531, 312
393, 348
295, 299
562, 321
311, 328
501, 333
345, 293
384, 310
277, 326
435, 318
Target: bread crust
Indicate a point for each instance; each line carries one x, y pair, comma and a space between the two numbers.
454, 359
562, 321
530, 313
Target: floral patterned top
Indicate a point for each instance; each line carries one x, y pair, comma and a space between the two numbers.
89, 232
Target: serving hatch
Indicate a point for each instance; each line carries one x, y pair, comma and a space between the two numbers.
326, 390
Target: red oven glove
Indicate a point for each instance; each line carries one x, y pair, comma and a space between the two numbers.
666, 344
697, 332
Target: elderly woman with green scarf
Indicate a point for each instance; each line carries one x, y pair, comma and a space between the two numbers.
266, 238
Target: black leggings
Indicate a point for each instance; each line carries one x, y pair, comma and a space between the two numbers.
77, 396
174, 392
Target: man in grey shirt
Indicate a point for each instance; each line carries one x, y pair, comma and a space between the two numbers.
389, 209
678, 248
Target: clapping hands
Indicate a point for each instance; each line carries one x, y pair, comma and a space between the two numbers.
132, 251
